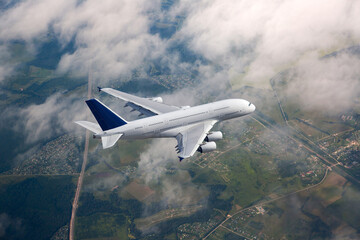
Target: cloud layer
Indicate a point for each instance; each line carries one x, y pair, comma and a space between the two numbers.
252, 40
232, 39
267, 35
112, 36
53, 117
330, 85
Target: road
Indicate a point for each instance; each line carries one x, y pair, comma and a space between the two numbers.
279, 103
308, 145
80, 179
38, 175
311, 146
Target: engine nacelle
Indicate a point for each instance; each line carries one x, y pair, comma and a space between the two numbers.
214, 136
156, 99
96, 136
207, 147
184, 107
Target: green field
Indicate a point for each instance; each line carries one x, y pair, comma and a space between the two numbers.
36, 206
308, 215
102, 226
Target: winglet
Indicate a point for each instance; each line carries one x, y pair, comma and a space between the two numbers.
99, 89
181, 158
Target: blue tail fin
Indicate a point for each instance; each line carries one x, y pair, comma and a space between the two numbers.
106, 118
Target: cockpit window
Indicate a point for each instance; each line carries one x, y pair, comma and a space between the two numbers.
249, 104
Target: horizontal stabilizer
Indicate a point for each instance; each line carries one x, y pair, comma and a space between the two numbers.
110, 141
106, 118
95, 128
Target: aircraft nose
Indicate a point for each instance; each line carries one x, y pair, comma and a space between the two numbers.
252, 107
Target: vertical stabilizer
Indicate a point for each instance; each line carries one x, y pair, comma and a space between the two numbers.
106, 118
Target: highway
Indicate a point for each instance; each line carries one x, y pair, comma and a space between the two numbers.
80, 179
309, 145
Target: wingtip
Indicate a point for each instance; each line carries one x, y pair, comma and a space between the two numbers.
181, 158
99, 89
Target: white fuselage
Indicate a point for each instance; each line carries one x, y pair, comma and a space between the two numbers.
169, 124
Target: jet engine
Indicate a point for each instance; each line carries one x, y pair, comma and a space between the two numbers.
207, 147
214, 136
96, 136
156, 99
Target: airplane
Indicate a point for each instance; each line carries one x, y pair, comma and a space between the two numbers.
190, 126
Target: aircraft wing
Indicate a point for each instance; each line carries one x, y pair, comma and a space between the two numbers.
190, 139
145, 106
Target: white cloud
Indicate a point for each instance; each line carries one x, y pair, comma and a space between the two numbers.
6, 67
253, 37
175, 190
55, 116
256, 37
112, 36
181, 191
330, 85
267, 35
154, 159
5, 70
29, 19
